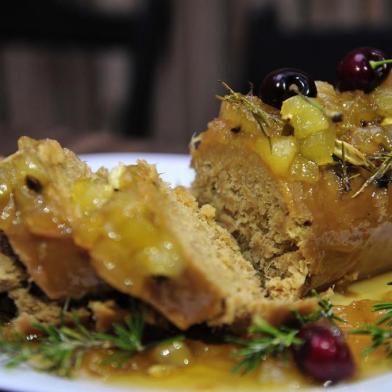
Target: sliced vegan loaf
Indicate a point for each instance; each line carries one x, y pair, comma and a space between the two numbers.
296, 189
129, 229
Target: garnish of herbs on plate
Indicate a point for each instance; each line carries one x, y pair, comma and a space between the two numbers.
271, 268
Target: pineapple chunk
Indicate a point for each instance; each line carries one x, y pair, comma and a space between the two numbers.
87, 195
303, 169
238, 117
319, 146
279, 154
383, 98
249, 115
126, 236
305, 117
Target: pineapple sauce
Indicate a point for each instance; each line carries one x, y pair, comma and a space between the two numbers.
90, 220
296, 141
39, 230
198, 366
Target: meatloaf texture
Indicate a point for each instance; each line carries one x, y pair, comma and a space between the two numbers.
80, 234
303, 223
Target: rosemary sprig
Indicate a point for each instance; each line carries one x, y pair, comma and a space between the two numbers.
60, 349
381, 171
378, 165
266, 341
380, 334
261, 117
387, 316
380, 337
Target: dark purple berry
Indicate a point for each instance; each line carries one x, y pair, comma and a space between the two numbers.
324, 354
355, 72
283, 83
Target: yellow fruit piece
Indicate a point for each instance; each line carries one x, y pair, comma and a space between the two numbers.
88, 195
369, 139
382, 96
125, 231
319, 147
304, 116
237, 117
277, 154
303, 169
160, 260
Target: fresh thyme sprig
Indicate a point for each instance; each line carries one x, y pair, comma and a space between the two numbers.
262, 118
60, 349
266, 341
381, 332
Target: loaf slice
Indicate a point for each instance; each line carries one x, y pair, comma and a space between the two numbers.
154, 243
135, 233
35, 204
304, 214
23, 304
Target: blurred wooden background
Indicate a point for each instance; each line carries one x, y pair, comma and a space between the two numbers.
79, 86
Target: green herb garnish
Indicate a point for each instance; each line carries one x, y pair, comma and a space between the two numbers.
266, 341
324, 310
384, 167
262, 118
60, 349
380, 337
378, 165
381, 332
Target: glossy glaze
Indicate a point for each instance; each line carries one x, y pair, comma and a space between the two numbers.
346, 237
209, 367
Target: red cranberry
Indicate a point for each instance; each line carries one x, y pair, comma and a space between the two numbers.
277, 86
355, 71
324, 354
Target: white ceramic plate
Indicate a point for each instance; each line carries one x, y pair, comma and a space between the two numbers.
174, 169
